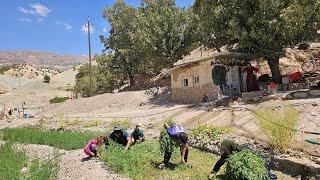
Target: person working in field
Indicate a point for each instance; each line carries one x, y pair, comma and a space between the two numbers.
137, 135
180, 136
91, 147
227, 148
119, 136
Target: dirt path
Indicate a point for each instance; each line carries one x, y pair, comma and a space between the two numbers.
72, 166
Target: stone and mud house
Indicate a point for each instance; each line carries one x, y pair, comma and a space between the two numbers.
192, 80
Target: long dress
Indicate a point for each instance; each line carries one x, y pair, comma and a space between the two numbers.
252, 83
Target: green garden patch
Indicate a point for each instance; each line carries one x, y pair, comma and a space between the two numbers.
61, 140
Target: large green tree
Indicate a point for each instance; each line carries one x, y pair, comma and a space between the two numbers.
168, 31
263, 28
123, 40
105, 77
150, 37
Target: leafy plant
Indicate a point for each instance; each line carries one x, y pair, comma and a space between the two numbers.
246, 165
278, 125
58, 100
166, 142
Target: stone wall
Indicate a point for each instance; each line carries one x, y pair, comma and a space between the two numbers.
194, 94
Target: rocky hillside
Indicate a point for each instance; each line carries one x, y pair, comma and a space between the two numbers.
40, 59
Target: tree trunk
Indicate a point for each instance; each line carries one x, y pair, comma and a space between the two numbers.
273, 63
131, 79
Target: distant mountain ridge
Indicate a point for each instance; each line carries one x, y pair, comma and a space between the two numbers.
41, 59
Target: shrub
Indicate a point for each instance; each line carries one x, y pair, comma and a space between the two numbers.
246, 165
58, 100
278, 125
46, 79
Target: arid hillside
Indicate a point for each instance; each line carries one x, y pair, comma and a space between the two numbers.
40, 59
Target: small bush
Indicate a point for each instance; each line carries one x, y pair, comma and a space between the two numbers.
46, 79
62, 140
246, 165
58, 100
278, 125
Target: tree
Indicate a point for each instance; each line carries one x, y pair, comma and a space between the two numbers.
108, 77
82, 85
263, 28
148, 38
168, 32
46, 79
123, 39
104, 77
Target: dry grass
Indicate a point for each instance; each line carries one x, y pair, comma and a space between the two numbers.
93, 123
279, 125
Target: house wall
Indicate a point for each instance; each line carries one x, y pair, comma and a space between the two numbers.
193, 93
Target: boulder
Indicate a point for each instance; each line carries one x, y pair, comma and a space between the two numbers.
314, 93
287, 97
300, 95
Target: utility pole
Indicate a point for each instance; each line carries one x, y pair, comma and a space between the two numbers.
90, 70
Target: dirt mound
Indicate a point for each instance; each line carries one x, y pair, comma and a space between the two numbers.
101, 104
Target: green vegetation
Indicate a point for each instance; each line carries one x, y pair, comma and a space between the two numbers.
261, 28
40, 170
46, 79
104, 78
62, 140
11, 162
139, 162
278, 125
58, 100
167, 143
209, 132
246, 165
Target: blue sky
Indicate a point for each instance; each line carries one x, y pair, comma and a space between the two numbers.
55, 25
